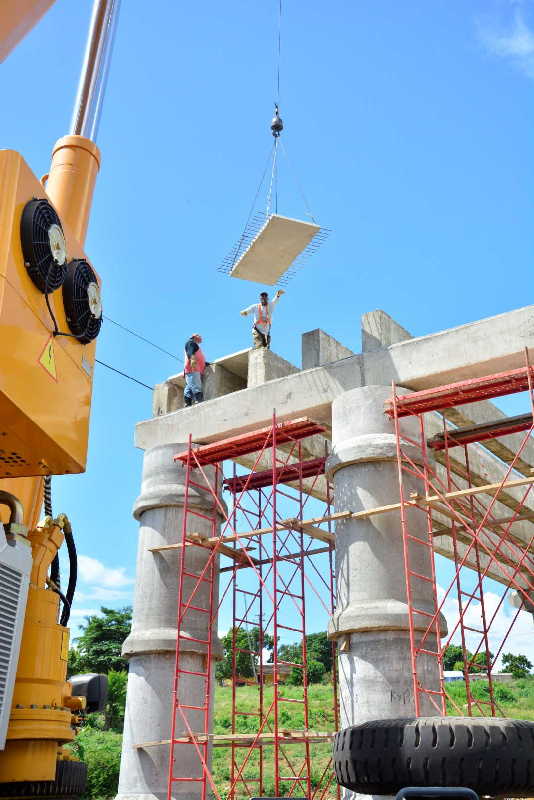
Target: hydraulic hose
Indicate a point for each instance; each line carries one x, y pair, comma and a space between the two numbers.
73, 573
55, 575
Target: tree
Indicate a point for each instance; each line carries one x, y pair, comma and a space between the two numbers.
314, 671
451, 655
480, 663
319, 648
518, 665
116, 702
98, 647
247, 643
453, 659
316, 651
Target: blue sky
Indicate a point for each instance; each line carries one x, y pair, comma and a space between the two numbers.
409, 125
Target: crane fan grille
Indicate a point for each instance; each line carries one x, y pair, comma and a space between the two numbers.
82, 308
38, 218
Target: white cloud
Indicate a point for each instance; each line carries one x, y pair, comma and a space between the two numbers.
93, 571
84, 612
511, 38
103, 595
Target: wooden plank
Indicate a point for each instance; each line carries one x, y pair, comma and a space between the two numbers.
306, 553
414, 502
209, 544
225, 740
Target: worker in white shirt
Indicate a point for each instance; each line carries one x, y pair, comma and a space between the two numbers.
263, 314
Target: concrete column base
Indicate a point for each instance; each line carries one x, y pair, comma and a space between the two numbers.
151, 645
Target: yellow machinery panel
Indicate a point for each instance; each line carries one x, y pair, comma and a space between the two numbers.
17, 18
45, 380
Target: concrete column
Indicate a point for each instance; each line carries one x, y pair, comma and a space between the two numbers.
219, 381
320, 348
379, 331
371, 620
264, 365
151, 645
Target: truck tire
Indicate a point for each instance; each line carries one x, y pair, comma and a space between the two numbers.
489, 755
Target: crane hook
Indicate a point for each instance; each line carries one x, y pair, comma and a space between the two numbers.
277, 125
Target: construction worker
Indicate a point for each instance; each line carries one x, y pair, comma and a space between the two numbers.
195, 364
263, 313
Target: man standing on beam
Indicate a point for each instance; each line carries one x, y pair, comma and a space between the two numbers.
194, 365
263, 312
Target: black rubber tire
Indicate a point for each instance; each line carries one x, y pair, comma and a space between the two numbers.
491, 756
70, 783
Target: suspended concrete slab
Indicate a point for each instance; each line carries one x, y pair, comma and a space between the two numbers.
267, 251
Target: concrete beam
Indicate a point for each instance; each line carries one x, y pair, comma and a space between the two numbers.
379, 330
480, 348
502, 569
308, 393
320, 348
495, 344
505, 447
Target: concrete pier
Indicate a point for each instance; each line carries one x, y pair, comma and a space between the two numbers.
151, 645
345, 392
371, 620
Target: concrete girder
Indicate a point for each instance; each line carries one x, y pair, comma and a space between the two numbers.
480, 348
502, 571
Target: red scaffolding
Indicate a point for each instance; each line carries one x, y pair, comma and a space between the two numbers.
484, 528
274, 566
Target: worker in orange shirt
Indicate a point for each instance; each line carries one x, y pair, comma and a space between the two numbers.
263, 313
195, 364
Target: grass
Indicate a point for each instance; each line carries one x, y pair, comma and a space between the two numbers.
514, 699
291, 716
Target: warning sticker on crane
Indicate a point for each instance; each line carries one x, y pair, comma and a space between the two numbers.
47, 358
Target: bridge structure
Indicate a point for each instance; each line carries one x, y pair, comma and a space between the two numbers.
387, 490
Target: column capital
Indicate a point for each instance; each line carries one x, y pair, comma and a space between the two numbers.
361, 431
163, 483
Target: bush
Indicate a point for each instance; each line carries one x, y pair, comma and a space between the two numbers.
316, 670
101, 751
117, 681
503, 694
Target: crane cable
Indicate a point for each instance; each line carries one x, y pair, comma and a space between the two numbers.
279, 52
276, 129
143, 339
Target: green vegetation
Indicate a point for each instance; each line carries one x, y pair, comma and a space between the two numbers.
98, 648
99, 741
514, 698
245, 641
519, 666
101, 751
291, 715
453, 659
100, 748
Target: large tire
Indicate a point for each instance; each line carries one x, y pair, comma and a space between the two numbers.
70, 783
489, 755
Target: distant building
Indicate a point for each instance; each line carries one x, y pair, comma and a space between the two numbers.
450, 675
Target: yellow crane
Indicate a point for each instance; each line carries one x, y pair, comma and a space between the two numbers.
50, 317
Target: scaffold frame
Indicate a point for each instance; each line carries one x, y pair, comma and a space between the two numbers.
273, 608
485, 549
